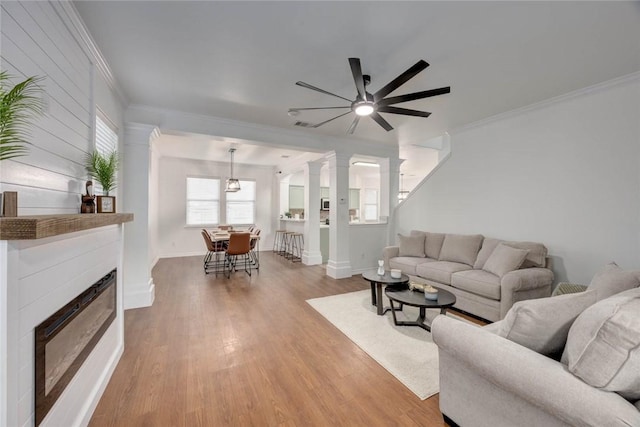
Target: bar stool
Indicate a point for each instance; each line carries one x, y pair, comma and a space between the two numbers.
278, 241
286, 243
296, 245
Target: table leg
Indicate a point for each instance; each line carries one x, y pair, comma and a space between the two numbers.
373, 293
379, 299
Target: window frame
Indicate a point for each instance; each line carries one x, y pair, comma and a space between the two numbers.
111, 126
254, 202
365, 204
187, 200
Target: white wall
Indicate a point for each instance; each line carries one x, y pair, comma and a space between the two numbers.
175, 239
367, 242
37, 40
565, 173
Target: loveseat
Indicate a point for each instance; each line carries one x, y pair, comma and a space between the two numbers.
568, 360
486, 275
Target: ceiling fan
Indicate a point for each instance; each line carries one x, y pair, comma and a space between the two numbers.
367, 104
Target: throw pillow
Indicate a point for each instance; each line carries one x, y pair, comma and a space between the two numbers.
543, 324
504, 259
460, 248
488, 246
612, 280
537, 256
433, 244
411, 245
603, 346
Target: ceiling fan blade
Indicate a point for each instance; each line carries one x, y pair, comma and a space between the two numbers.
352, 128
327, 121
413, 96
382, 122
405, 111
317, 108
400, 80
317, 89
356, 70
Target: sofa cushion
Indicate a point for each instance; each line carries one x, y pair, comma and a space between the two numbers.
504, 259
478, 282
611, 280
488, 245
460, 248
537, 256
440, 271
603, 346
408, 264
543, 324
411, 245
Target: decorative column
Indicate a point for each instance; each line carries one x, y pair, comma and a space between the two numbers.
339, 265
389, 188
139, 289
311, 254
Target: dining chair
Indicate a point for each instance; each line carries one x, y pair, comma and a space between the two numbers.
214, 249
239, 245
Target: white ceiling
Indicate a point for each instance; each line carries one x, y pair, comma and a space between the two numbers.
240, 60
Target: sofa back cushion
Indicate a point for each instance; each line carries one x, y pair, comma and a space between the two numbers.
611, 280
504, 259
543, 324
411, 245
603, 346
432, 242
460, 248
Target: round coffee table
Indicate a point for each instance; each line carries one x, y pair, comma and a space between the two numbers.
376, 286
416, 299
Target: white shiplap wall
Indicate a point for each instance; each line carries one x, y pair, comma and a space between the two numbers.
36, 42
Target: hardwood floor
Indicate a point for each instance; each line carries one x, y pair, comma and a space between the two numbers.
245, 351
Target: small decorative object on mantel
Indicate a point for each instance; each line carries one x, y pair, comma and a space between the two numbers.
103, 168
10, 203
88, 200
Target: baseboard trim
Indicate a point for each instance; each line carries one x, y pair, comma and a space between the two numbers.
339, 270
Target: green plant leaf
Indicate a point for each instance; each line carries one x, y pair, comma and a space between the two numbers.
19, 106
103, 168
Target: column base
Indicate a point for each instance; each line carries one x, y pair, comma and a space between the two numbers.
339, 270
140, 298
311, 258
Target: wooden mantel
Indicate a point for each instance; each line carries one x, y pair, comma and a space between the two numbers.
40, 226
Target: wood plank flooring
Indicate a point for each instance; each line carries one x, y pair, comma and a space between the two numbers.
249, 351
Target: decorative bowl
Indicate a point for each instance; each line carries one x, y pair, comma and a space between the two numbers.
430, 293
396, 274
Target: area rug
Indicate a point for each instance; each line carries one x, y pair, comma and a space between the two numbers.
407, 352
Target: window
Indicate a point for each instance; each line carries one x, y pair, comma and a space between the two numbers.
203, 201
241, 205
106, 141
370, 205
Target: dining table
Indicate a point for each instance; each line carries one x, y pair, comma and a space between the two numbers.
218, 235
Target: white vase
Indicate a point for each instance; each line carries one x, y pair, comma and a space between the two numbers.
381, 267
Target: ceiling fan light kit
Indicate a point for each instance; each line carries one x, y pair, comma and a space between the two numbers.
372, 105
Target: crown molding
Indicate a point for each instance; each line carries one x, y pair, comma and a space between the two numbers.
74, 22
548, 102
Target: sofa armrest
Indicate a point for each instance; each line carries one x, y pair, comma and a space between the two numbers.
388, 253
526, 283
539, 380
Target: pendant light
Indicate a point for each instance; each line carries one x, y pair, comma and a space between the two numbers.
233, 184
402, 194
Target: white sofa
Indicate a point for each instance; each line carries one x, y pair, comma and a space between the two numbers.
569, 360
485, 284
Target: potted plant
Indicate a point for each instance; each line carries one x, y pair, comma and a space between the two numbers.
103, 168
19, 105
